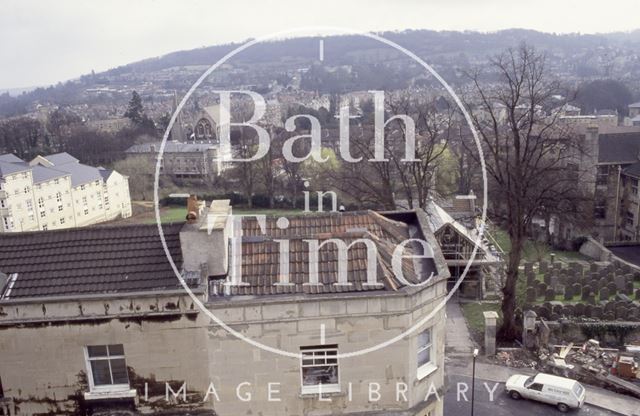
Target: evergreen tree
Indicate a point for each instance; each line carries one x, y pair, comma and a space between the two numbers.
135, 111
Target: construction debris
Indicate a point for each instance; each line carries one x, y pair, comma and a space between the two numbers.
595, 365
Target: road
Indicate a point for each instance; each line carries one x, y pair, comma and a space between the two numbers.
502, 405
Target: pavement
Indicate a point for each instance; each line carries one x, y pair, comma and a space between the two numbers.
458, 338
492, 400
458, 363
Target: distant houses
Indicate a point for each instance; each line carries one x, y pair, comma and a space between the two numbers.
57, 191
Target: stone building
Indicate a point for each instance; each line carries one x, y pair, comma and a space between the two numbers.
198, 160
111, 327
56, 191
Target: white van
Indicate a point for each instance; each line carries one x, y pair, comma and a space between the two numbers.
561, 392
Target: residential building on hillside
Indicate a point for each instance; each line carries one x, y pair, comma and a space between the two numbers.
121, 341
617, 199
57, 191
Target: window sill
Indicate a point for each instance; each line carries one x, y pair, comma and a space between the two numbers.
426, 370
324, 390
110, 394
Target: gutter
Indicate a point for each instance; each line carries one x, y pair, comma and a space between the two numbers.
99, 296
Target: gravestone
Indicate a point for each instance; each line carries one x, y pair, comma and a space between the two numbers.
550, 295
528, 268
531, 294
588, 311
541, 289
568, 310
619, 282
568, 293
637, 294
577, 289
629, 288
586, 291
604, 293
578, 309
531, 278
543, 266
597, 312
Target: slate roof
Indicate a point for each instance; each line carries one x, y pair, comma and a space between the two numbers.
635, 105
633, 170
92, 260
261, 258
7, 168
10, 158
619, 148
61, 158
172, 147
105, 173
80, 174
43, 173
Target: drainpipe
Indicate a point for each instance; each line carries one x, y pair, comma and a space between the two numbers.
615, 218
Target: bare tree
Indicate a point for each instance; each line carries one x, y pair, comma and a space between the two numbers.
526, 153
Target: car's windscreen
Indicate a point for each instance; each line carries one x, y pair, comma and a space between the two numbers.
578, 389
528, 382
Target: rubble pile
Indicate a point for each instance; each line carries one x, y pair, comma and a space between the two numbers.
593, 365
515, 359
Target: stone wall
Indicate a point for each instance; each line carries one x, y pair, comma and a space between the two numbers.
167, 339
43, 365
353, 323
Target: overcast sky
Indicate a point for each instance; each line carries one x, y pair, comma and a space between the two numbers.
43, 42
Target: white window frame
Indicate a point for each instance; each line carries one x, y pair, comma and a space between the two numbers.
429, 367
107, 388
319, 352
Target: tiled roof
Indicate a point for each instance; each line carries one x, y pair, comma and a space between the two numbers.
261, 258
619, 148
93, 260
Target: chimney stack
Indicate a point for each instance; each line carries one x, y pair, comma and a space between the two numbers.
204, 239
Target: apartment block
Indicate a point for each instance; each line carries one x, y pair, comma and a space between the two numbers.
57, 191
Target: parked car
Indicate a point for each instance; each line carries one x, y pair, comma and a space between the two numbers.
561, 392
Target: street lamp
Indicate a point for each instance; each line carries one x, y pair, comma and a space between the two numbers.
473, 378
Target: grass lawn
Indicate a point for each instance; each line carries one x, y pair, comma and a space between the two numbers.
533, 250
475, 319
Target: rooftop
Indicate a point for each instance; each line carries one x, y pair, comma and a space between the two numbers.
45, 168
261, 259
619, 147
93, 260
172, 147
